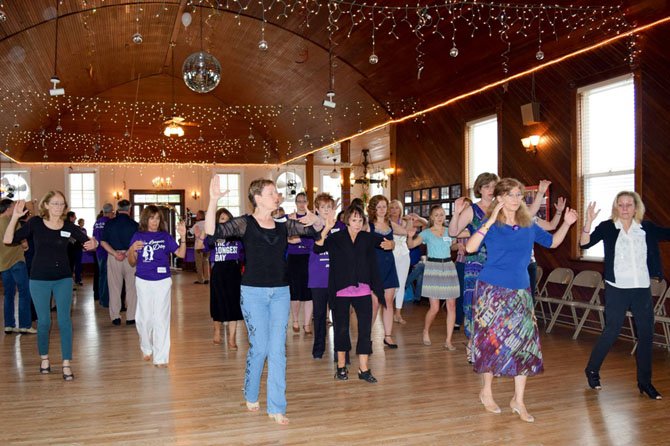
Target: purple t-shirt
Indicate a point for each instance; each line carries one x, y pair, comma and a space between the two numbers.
223, 250
98, 227
153, 260
319, 264
304, 247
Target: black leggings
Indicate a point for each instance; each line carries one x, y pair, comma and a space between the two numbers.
363, 307
617, 302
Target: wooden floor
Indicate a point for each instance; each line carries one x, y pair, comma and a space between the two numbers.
425, 395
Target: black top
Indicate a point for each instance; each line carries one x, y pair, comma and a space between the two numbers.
118, 232
264, 249
608, 233
50, 261
352, 263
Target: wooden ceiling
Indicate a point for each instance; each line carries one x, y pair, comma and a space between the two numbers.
267, 108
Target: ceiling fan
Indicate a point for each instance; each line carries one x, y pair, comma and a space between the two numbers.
173, 126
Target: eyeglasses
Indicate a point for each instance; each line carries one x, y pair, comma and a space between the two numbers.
56, 204
517, 195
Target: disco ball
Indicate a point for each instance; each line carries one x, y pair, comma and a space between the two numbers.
202, 72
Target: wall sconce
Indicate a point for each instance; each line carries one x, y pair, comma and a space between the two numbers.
195, 194
389, 171
530, 143
117, 195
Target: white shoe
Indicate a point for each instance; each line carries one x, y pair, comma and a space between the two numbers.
30, 330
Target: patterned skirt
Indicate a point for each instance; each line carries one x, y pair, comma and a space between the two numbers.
473, 266
505, 341
440, 281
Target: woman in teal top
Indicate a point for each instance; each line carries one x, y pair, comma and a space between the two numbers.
440, 279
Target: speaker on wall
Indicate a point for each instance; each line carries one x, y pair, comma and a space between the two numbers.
530, 113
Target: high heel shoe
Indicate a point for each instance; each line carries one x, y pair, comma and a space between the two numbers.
308, 329
593, 378
342, 373
45, 370
522, 412
367, 376
426, 339
650, 391
399, 319
493, 408
68, 376
389, 344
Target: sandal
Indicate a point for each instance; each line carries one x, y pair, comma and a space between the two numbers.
308, 330
68, 376
279, 418
296, 328
45, 370
253, 407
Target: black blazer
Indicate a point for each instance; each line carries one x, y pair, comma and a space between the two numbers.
608, 233
352, 263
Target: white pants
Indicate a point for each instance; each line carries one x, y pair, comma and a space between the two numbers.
402, 268
154, 303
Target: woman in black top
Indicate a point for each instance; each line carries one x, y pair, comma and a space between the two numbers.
353, 276
631, 258
265, 296
50, 272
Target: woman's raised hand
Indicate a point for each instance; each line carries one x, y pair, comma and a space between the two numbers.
543, 186
181, 230
570, 216
496, 210
19, 209
560, 204
215, 189
591, 212
459, 205
309, 219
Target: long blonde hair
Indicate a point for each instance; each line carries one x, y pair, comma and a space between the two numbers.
639, 205
503, 187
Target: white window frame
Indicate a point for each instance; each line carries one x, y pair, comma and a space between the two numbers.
623, 178
322, 188
91, 217
224, 201
472, 166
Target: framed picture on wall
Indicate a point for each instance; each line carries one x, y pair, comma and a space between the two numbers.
425, 194
545, 208
444, 193
455, 190
435, 193
408, 197
416, 196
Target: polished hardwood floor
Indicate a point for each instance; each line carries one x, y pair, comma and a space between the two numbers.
425, 395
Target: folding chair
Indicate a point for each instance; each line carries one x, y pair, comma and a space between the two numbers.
585, 279
559, 279
591, 282
538, 279
658, 294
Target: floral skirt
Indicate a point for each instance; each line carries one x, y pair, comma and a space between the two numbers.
506, 340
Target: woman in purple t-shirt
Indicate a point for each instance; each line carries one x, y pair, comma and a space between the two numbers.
153, 282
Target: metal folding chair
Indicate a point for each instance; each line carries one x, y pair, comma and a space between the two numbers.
557, 283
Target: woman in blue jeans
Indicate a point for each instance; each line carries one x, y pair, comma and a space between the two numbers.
50, 272
265, 296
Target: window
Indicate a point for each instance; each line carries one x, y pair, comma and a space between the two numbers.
232, 201
82, 197
289, 184
606, 145
377, 188
15, 184
331, 186
481, 148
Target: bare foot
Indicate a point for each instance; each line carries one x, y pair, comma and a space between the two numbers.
449, 346
232, 347
253, 407
146, 357
426, 338
279, 418
488, 402
520, 409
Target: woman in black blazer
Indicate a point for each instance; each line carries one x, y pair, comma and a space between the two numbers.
353, 276
632, 258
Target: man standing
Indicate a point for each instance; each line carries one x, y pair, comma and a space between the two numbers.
14, 275
201, 256
75, 252
116, 240
101, 254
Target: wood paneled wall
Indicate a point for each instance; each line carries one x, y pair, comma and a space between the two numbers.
431, 152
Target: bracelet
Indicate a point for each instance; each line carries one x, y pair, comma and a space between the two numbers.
483, 234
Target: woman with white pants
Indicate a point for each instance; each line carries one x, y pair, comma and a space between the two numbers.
154, 283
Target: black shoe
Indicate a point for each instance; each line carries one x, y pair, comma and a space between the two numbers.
45, 370
130, 322
197, 282
116, 321
68, 376
206, 282
650, 391
342, 374
9, 330
80, 283
123, 309
367, 376
388, 344
593, 378
457, 327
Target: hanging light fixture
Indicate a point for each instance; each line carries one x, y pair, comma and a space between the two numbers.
201, 70
366, 178
334, 174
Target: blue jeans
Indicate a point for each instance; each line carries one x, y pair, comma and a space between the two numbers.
103, 291
460, 270
416, 274
41, 291
265, 312
13, 278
